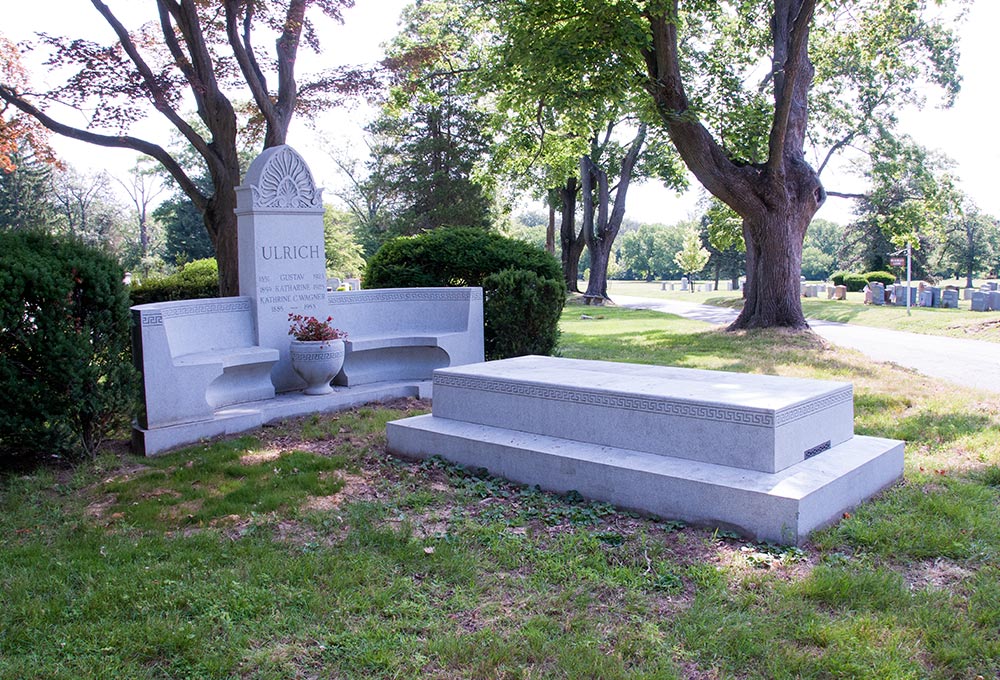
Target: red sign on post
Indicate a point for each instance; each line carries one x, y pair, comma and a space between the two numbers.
897, 261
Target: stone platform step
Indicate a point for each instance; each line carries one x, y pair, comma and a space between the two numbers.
242, 417
782, 507
755, 422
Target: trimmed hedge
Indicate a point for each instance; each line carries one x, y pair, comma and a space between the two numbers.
66, 378
523, 287
855, 282
454, 257
197, 279
885, 278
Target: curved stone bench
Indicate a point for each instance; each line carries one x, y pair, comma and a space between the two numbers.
197, 356
406, 333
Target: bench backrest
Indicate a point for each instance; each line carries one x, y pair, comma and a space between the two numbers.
405, 310
200, 325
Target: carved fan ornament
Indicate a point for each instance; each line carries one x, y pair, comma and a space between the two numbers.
286, 183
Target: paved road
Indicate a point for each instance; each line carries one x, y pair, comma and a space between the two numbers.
973, 363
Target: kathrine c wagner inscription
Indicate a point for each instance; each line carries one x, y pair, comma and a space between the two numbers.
304, 252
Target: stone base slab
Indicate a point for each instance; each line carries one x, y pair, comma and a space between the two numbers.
250, 415
757, 422
782, 507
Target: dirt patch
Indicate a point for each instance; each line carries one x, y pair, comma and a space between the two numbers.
258, 457
98, 510
357, 487
937, 574
185, 510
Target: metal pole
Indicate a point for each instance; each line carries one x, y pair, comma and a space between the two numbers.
909, 279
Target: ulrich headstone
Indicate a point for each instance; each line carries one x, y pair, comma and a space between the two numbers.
282, 259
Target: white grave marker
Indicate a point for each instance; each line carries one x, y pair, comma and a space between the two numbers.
282, 258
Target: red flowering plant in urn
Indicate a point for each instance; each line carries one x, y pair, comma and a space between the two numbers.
311, 329
317, 351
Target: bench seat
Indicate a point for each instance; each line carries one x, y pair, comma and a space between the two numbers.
229, 357
197, 356
407, 333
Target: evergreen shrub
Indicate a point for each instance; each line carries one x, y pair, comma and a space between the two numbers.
838, 278
66, 378
197, 279
885, 278
468, 257
855, 282
521, 311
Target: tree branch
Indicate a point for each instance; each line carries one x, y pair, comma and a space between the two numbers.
122, 142
790, 83
840, 194
732, 184
160, 101
247, 63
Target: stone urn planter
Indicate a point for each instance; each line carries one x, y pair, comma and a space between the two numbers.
317, 362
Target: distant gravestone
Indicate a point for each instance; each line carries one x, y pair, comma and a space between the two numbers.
978, 301
900, 292
840, 292
878, 293
967, 293
993, 301
282, 258
949, 299
992, 285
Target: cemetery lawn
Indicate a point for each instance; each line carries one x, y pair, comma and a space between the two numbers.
955, 323
304, 550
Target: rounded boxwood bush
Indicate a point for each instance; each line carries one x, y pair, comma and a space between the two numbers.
454, 257
197, 279
66, 377
838, 278
885, 278
855, 282
523, 287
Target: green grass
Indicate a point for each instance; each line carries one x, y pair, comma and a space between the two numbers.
303, 550
956, 323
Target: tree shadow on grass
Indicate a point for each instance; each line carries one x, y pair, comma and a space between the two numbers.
686, 343
941, 428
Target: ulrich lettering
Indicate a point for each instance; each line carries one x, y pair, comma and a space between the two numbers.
291, 252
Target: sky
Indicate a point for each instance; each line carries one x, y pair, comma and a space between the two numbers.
963, 132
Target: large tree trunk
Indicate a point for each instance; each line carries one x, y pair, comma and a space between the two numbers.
550, 230
220, 220
570, 240
774, 265
600, 228
776, 199
596, 230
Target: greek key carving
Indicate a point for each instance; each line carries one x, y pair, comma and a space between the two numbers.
206, 307
377, 295
660, 406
